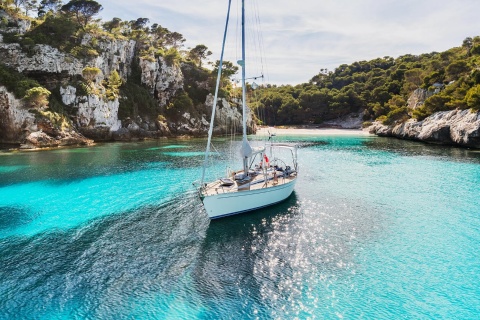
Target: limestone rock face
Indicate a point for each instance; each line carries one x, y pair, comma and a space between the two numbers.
455, 127
96, 118
226, 110
418, 97
93, 111
44, 59
162, 79
18, 125
15, 120
20, 26
113, 55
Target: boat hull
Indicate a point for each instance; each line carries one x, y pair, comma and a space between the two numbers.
227, 204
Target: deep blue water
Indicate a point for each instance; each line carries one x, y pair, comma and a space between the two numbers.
376, 229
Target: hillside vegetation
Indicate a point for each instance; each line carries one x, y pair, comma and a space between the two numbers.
72, 28
379, 88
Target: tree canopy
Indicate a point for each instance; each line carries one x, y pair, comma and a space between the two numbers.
83, 10
199, 53
380, 88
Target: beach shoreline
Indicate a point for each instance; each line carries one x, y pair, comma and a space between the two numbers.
282, 131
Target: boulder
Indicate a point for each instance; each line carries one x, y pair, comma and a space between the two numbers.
39, 139
97, 133
122, 134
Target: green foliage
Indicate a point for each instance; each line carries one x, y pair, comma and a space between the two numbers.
395, 114
456, 68
228, 69
180, 103
37, 97
16, 82
46, 6
199, 53
381, 87
473, 98
58, 120
82, 10
195, 82
112, 85
366, 124
90, 73
113, 24
88, 87
172, 56
435, 103
135, 99
84, 52
56, 31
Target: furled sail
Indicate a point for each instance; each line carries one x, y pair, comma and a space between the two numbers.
247, 151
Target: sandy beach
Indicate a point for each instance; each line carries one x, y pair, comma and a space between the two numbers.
264, 131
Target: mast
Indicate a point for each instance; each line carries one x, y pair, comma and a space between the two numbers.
245, 144
244, 89
219, 75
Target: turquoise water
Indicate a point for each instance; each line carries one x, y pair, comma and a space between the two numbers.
376, 229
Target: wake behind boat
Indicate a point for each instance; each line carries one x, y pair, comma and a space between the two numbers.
266, 177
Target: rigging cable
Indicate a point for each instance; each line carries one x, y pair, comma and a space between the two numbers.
219, 75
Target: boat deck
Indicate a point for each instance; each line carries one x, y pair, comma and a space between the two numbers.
255, 181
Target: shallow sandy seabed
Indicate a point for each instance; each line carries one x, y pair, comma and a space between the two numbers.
312, 131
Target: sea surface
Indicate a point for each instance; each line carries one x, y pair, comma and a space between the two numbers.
376, 228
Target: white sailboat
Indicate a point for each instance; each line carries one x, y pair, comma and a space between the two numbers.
265, 178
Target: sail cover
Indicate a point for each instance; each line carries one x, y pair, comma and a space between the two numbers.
247, 151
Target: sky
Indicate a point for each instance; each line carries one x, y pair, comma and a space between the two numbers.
302, 37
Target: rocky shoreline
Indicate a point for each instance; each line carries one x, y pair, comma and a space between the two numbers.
455, 127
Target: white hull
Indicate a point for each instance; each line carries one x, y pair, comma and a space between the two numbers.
226, 204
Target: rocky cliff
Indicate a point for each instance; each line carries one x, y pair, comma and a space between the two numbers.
455, 127
38, 129
92, 114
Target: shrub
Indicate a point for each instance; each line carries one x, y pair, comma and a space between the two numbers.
16, 82
11, 38
397, 114
59, 121
37, 97
180, 103
473, 98
172, 57
56, 30
90, 73
135, 99
366, 124
84, 52
112, 85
